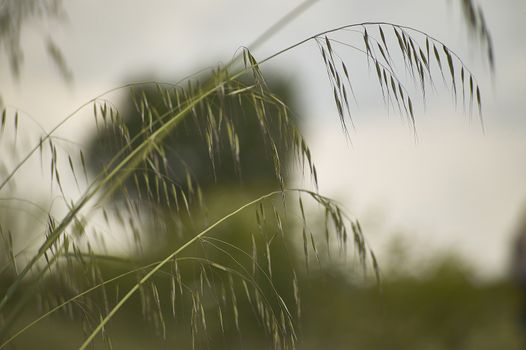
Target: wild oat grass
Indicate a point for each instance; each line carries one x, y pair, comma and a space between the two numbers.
137, 186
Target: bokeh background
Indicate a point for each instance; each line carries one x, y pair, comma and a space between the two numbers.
442, 211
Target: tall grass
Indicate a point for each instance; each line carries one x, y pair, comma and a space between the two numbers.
137, 190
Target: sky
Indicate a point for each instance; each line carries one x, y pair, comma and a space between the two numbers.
453, 189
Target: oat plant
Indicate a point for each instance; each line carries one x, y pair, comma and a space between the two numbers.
146, 191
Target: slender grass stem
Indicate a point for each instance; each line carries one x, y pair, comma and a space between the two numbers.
136, 287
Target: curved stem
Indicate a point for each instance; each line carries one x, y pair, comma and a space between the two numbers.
136, 287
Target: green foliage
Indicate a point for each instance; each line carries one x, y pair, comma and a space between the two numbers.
445, 309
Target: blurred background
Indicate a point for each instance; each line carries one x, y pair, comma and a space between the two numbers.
443, 211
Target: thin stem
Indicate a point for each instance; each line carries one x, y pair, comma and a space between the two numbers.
276, 27
288, 48
136, 287
85, 292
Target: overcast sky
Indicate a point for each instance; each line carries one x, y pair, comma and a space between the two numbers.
456, 189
